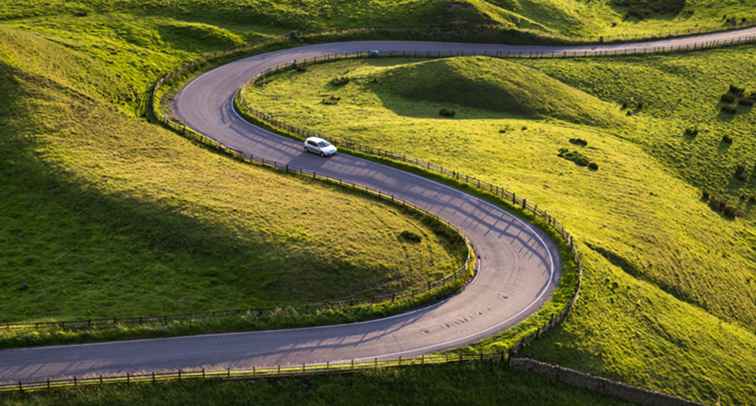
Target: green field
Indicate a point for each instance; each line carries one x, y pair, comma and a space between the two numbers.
105, 215
669, 288
561, 19
437, 385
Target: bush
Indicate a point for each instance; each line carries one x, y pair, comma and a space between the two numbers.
705, 196
740, 173
593, 166
691, 132
727, 98
736, 91
409, 236
727, 140
746, 102
331, 100
339, 81
724, 208
447, 113
579, 141
574, 156
729, 110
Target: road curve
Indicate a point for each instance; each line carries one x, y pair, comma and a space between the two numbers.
518, 268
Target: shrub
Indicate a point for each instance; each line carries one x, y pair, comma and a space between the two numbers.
409, 236
447, 113
727, 140
574, 156
579, 141
331, 100
593, 166
339, 81
736, 91
705, 196
294, 36
729, 110
746, 102
727, 98
691, 132
740, 173
721, 206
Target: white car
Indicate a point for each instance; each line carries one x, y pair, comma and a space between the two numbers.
319, 146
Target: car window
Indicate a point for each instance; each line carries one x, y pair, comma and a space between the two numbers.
322, 144
312, 143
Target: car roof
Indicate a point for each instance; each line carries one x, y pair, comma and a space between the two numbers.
316, 139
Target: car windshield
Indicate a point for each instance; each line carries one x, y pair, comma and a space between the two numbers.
323, 144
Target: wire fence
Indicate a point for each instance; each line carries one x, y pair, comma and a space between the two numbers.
255, 372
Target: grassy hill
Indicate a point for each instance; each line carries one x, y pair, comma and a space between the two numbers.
669, 282
568, 19
105, 215
478, 83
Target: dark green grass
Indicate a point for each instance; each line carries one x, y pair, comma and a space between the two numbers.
472, 384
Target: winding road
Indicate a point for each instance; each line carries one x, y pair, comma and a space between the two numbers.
518, 268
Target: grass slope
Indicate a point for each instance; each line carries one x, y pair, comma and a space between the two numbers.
659, 260
478, 83
571, 19
438, 385
105, 215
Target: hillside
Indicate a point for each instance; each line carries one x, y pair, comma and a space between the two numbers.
106, 215
477, 83
564, 19
660, 298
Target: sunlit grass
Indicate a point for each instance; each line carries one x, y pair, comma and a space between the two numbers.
636, 210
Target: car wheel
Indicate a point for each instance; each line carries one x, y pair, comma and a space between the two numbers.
322, 154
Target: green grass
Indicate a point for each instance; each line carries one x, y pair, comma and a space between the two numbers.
438, 385
661, 298
565, 19
129, 219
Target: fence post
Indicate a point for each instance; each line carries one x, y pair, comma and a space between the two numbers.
153, 376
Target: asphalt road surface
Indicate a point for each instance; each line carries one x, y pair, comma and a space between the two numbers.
518, 269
